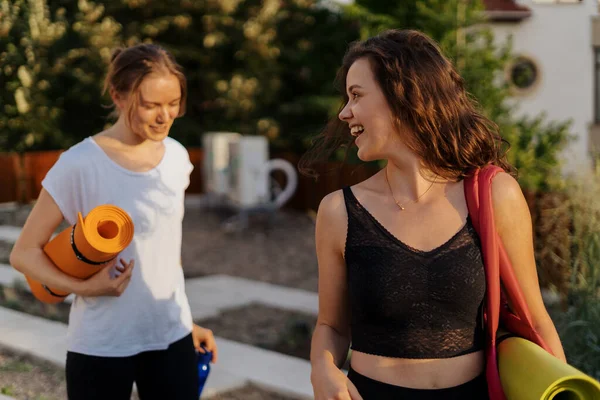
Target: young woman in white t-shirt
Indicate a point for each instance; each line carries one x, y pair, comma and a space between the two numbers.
127, 323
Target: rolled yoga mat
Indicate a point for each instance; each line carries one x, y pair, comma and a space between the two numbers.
528, 372
82, 249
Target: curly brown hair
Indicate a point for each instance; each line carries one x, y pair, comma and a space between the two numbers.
425, 94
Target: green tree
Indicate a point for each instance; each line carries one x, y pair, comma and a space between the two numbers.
26, 34
52, 66
79, 61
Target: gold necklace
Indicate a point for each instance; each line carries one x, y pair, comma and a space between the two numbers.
401, 205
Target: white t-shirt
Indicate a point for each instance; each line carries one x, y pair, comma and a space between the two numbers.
153, 311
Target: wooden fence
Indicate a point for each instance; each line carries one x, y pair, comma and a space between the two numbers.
9, 178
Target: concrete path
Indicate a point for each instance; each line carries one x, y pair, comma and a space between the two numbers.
212, 294
9, 233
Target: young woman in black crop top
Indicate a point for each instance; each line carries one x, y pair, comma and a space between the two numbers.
401, 276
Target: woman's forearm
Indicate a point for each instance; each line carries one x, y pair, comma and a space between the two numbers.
548, 332
34, 263
328, 346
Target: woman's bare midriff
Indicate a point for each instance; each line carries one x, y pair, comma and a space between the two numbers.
420, 373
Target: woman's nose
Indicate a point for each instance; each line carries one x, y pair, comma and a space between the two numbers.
346, 112
163, 115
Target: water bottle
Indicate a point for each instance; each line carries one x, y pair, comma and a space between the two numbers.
203, 368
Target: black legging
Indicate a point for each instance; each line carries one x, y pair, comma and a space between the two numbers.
371, 389
161, 374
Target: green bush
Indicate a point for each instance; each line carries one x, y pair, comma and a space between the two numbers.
579, 331
579, 326
584, 202
536, 147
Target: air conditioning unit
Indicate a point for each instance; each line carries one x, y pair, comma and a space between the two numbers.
216, 165
249, 180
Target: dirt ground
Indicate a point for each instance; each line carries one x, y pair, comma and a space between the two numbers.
27, 378
281, 251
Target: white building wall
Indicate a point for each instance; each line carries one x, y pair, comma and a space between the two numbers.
558, 38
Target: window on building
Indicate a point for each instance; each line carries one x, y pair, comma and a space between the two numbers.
523, 73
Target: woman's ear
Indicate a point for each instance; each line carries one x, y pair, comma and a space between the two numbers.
119, 100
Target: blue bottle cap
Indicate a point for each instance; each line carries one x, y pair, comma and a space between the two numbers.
204, 358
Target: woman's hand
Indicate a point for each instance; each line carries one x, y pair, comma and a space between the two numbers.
204, 337
330, 383
103, 284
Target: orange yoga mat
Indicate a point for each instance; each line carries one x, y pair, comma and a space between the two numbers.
82, 249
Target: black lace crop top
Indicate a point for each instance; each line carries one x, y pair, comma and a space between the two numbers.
410, 303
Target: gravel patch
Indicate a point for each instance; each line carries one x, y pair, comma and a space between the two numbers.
19, 299
280, 252
270, 328
27, 378
251, 392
